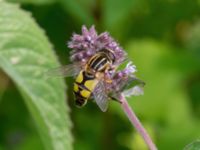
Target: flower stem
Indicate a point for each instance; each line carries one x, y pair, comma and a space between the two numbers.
136, 123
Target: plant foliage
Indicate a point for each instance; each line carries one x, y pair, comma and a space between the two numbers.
25, 53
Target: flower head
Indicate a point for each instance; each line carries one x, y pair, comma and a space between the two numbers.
89, 43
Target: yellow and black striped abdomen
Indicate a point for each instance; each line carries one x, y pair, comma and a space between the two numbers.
83, 87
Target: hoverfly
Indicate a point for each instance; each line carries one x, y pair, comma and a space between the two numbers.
90, 78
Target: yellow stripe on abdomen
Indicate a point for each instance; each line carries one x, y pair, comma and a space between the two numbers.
79, 78
90, 84
85, 93
76, 87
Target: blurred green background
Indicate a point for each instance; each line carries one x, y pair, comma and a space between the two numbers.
161, 37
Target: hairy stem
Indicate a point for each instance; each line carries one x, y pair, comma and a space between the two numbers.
136, 123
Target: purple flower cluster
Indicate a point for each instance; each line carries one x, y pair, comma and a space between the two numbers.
89, 43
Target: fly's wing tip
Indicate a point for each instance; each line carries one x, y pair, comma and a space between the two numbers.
104, 109
135, 91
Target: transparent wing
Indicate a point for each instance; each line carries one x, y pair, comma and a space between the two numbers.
64, 71
129, 87
100, 96
136, 91
130, 83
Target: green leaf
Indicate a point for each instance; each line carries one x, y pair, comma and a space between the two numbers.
193, 146
25, 53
